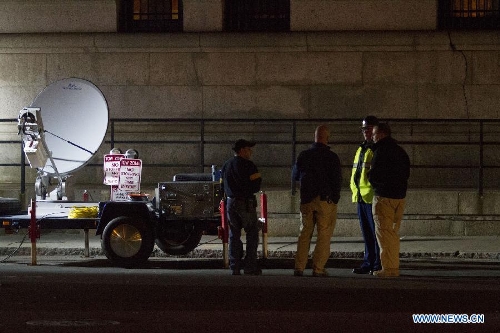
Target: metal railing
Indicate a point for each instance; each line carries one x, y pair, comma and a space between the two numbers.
470, 144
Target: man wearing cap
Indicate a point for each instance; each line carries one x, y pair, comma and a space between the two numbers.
362, 195
241, 181
318, 170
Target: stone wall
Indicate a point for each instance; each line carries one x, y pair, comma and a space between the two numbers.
323, 15
387, 60
44, 16
315, 75
294, 75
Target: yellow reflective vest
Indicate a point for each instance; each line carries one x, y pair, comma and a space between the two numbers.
362, 191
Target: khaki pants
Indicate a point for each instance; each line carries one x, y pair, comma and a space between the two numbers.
323, 215
387, 215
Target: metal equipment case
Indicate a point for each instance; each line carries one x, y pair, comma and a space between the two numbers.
189, 199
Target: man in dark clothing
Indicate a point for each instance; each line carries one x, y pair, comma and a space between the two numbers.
388, 175
319, 172
241, 180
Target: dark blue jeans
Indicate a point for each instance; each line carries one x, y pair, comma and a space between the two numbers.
371, 258
242, 215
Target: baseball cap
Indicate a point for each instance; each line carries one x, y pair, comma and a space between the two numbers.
241, 143
369, 121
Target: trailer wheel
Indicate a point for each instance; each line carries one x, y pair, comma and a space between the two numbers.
179, 239
127, 241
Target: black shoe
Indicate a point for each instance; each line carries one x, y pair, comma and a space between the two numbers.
320, 274
257, 271
298, 273
361, 270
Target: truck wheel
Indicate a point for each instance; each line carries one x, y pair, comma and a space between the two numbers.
179, 240
127, 241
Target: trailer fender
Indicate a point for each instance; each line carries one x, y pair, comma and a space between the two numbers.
113, 209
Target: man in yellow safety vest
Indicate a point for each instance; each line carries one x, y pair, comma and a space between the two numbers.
362, 195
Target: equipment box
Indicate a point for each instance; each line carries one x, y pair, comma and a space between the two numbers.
189, 199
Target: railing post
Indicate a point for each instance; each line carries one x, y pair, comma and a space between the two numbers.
294, 149
480, 206
202, 145
112, 134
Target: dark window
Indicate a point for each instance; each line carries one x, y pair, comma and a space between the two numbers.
257, 15
149, 15
469, 14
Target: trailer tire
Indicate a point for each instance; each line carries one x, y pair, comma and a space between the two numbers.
127, 241
180, 240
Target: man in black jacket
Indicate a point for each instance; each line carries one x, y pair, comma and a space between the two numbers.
241, 181
318, 170
388, 175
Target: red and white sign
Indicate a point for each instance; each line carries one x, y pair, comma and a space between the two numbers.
123, 175
112, 168
130, 175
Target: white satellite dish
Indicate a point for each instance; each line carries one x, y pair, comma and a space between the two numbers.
62, 130
75, 120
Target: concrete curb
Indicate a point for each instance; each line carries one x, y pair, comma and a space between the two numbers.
217, 254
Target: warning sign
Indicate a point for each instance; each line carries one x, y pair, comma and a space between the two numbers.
130, 175
123, 175
112, 168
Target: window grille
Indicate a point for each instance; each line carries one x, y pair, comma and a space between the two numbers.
469, 14
150, 15
257, 15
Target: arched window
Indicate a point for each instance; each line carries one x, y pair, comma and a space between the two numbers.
149, 15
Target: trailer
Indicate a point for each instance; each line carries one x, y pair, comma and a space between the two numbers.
175, 220
75, 119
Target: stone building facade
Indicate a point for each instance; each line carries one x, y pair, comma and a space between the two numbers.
339, 60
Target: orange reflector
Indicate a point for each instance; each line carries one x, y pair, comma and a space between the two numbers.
6, 223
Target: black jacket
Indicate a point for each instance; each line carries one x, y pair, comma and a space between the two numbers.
236, 174
390, 169
318, 170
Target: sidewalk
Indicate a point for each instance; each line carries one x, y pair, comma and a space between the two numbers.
72, 242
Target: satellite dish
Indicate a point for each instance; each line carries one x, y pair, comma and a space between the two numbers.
75, 120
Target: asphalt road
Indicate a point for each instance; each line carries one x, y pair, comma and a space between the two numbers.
88, 295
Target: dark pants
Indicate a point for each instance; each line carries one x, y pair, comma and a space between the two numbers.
242, 215
371, 259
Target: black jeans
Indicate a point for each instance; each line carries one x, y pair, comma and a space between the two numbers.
242, 215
